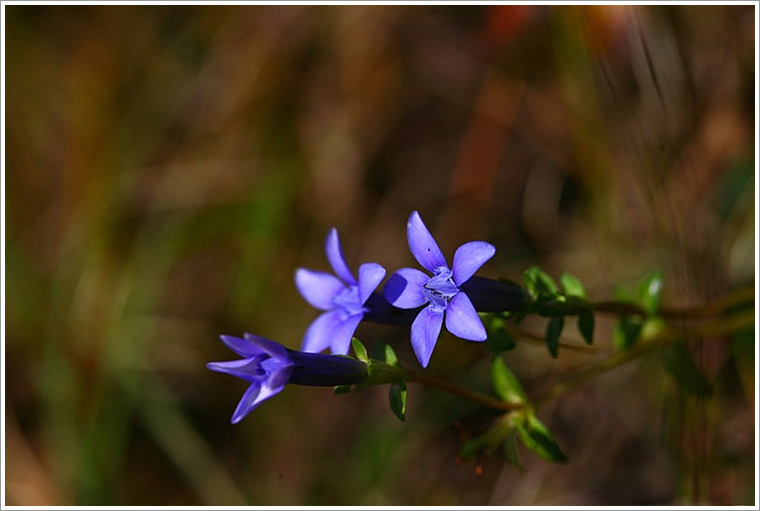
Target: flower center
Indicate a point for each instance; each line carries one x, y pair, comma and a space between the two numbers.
255, 369
440, 288
348, 302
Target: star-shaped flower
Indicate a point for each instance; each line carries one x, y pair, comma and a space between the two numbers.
410, 288
342, 298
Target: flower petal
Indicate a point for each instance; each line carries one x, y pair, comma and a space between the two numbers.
425, 331
462, 320
278, 372
247, 369
243, 347
253, 397
336, 258
423, 245
246, 403
318, 288
469, 258
341, 338
268, 346
370, 276
404, 288
320, 333
330, 330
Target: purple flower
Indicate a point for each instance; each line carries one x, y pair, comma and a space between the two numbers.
268, 367
410, 288
341, 298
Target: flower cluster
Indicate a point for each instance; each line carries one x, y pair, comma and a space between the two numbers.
448, 295
439, 297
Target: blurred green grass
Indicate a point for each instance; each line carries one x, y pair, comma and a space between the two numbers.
168, 167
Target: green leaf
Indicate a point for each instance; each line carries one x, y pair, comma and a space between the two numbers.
510, 450
384, 353
359, 349
377, 352
473, 447
553, 332
626, 332
571, 285
650, 291
342, 389
487, 441
397, 395
505, 383
539, 283
680, 365
498, 339
390, 355
586, 325
537, 438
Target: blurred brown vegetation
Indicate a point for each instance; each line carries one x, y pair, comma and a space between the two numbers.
167, 168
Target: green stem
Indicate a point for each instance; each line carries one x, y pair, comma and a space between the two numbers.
464, 393
714, 308
662, 338
727, 325
539, 340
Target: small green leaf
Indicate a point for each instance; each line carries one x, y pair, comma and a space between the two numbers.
359, 349
384, 353
650, 291
510, 450
553, 332
342, 389
377, 351
571, 285
626, 332
539, 283
505, 383
498, 339
586, 325
397, 396
529, 276
488, 441
680, 364
390, 355
473, 447
537, 438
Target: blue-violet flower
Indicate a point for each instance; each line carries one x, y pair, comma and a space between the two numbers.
268, 366
410, 288
342, 298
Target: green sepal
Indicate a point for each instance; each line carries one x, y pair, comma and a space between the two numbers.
359, 349
505, 383
553, 333
626, 332
498, 339
678, 362
650, 291
342, 389
571, 285
537, 438
397, 396
586, 325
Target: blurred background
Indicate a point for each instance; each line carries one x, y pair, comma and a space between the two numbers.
167, 169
